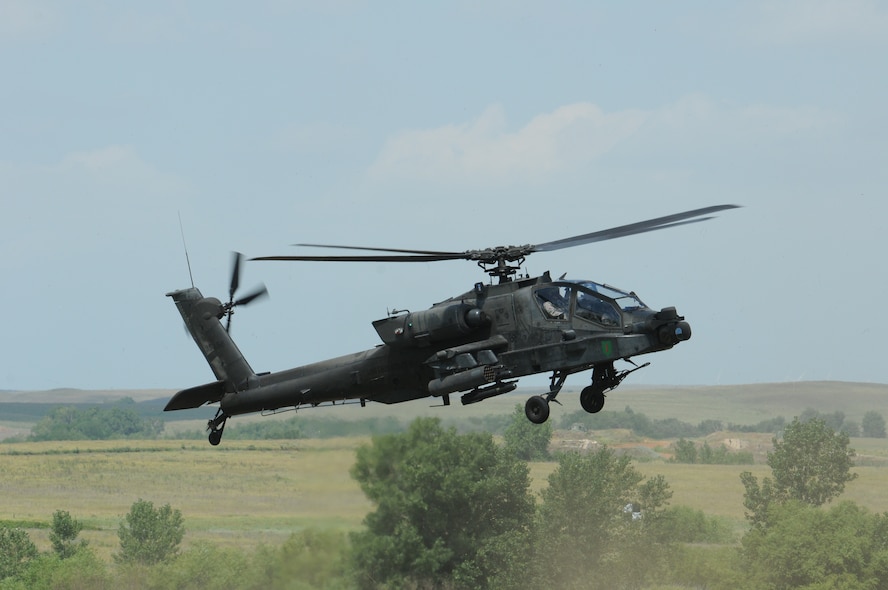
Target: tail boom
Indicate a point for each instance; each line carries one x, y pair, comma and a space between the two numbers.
202, 320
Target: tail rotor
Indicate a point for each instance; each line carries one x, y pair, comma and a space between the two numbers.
228, 308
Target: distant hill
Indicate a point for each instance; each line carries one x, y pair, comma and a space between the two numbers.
739, 404
82, 396
750, 404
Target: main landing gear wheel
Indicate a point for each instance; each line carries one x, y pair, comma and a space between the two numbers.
537, 409
592, 399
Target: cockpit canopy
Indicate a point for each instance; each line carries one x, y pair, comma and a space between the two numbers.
626, 301
587, 300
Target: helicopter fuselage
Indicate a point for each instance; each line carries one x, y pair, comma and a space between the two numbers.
478, 344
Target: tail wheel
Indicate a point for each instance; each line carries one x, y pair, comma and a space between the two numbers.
537, 409
216, 426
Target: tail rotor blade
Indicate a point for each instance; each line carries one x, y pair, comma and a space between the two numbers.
260, 292
235, 274
228, 308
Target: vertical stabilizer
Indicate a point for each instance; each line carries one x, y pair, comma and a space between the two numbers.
202, 315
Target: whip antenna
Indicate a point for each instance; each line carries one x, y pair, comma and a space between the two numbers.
185, 247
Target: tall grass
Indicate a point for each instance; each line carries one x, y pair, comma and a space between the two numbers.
243, 493
248, 493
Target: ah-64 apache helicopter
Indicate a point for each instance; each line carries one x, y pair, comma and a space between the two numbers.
478, 343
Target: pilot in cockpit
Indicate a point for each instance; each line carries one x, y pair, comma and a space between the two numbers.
553, 303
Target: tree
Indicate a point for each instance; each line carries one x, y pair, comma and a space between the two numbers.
64, 534
709, 426
452, 511
528, 441
68, 423
685, 451
812, 463
314, 557
873, 425
851, 428
757, 499
807, 547
16, 550
149, 535
598, 511
84, 569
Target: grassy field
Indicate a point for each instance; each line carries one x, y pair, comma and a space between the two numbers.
241, 494
247, 493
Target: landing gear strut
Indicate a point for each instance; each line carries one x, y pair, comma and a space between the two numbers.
216, 426
604, 379
537, 408
592, 399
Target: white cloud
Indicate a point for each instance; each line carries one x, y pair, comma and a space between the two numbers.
573, 137
485, 150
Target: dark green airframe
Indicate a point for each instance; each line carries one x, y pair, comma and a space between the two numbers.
478, 343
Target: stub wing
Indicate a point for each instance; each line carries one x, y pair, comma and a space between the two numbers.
195, 397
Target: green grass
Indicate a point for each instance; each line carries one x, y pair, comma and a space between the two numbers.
242, 493
245, 493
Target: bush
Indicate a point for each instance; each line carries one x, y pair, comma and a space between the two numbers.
69, 423
316, 558
706, 566
587, 522
873, 425
149, 535
82, 569
807, 547
686, 451
686, 525
199, 567
64, 534
16, 551
526, 440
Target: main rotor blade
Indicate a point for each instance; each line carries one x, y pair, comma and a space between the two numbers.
502, 254
658, 223
371, 249
358, 258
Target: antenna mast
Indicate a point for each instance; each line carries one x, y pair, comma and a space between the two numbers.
185, 247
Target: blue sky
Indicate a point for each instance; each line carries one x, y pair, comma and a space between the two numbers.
440, 126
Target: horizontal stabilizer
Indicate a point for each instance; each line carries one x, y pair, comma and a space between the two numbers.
195, 397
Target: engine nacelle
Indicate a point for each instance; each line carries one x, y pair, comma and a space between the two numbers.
438, 324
